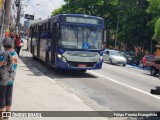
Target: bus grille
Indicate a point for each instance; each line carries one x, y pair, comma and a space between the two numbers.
76, 64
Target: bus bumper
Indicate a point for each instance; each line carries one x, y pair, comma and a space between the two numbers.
66, 65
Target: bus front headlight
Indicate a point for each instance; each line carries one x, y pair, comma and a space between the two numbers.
100, 59
59, 56
64, 59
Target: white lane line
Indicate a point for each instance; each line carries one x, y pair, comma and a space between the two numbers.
147, 77
128, 86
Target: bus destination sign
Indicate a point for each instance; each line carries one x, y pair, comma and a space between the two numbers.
82, 20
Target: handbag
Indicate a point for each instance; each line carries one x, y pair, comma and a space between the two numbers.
21, 44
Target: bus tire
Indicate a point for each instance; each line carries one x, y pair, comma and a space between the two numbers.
34, 58
124, 65
83, 71
47, 61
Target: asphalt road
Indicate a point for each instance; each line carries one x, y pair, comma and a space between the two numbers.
114, 88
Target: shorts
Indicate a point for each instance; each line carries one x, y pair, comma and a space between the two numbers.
6, 96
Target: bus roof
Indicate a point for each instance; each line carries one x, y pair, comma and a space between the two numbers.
57, 18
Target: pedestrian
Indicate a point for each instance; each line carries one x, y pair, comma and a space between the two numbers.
18, 43
8, 66
12, 35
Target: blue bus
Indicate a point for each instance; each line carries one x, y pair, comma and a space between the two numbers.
68, 41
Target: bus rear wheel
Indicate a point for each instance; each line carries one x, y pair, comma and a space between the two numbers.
47, 61
34, 58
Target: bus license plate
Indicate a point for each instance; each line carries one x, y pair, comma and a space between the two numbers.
82, 65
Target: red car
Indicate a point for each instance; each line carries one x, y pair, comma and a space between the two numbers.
145, 59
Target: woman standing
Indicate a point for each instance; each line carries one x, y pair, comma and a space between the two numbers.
18, 43
8, 66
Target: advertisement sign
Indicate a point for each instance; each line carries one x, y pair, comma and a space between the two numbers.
30, 17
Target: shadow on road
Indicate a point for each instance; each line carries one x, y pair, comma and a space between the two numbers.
38, 67
156, 76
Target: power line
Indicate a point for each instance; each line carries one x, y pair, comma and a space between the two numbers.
31, 7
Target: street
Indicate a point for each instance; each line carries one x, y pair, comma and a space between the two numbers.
114, 88
78, 38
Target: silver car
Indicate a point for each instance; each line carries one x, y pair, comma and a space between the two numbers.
114, 57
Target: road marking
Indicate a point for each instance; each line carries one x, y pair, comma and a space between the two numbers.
134, 73
128, 86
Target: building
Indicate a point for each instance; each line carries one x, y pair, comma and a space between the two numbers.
27, 24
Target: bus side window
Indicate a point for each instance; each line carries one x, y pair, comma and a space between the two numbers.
43, 28
56, 29
49, 26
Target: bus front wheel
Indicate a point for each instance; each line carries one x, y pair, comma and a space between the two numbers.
83, 71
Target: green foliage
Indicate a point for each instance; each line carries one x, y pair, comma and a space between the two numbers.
157, 30
133, 22
57, 11
135, 17
154, 11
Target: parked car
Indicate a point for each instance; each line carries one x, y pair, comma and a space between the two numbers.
131, 58
114, 57
143, 62
154, 66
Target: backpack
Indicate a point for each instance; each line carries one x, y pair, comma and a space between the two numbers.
6, 70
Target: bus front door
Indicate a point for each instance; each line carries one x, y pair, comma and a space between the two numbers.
54, 44
39, 37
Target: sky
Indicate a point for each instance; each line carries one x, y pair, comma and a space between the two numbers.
44, 8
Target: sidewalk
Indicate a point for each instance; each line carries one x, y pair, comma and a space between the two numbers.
33, 91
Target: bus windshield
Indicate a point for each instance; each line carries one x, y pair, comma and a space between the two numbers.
80, 37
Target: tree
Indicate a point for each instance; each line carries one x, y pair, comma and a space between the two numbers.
133, 18
102, 8
153, 9
57, 11
156, 35
133, 23
154, 23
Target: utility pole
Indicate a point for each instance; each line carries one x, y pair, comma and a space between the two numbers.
2, 10
151, 46
7, 8
5, 19
117, 31
18, 16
